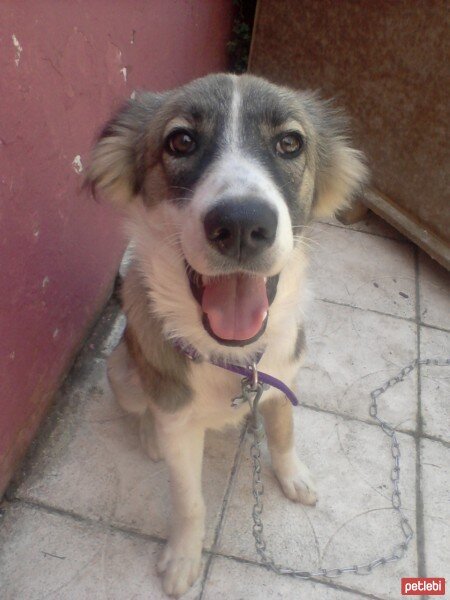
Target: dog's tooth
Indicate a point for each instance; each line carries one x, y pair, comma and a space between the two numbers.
265, 279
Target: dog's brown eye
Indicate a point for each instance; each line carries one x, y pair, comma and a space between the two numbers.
290, 145
180, 143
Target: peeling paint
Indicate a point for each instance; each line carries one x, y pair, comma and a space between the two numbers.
124, 73
133, 95
18, 48
12, 355
45, 281
55, 333
36, 233
77, 164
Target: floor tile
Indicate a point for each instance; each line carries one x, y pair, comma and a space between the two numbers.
434, 285
435, 465
353, 521
435, 384
51, 557
363, 270
373, 224
89, 461
349, 353
93, 464
229, 579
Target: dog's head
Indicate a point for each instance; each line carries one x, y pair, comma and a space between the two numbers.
224, 173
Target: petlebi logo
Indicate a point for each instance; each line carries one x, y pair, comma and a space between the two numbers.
417, 586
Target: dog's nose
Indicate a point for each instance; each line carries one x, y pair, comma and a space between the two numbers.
241, 229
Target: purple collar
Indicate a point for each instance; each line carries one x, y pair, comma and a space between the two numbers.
244, 370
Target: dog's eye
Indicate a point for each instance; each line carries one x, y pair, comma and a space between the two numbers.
180, 143
290, 145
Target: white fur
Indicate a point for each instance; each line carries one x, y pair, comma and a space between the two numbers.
235, 176
159, 257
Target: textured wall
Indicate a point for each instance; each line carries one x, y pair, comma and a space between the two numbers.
64, 67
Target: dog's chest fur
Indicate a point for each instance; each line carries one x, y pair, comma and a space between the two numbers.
214, 388
197, 393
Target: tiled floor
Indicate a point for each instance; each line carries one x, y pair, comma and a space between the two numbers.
89, 516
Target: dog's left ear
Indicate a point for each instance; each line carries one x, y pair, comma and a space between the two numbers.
118, 160
341, 171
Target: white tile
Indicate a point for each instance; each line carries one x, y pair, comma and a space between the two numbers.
435, 465
363, 270
353, 521
52, 557
229, 579
434, 285
435, 384
93, 465
349, 353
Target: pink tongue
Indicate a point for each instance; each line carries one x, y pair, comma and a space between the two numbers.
236, 306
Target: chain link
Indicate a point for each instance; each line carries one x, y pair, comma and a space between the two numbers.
399, 551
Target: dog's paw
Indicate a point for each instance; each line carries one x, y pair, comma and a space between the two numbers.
299, 488
179, 566
296, 480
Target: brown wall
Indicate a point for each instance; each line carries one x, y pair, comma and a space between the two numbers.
388, 63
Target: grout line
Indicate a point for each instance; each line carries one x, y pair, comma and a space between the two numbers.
346, 417
384, 314
234, 468
103, 525
211, 554
371, 310
325, 583
420, 532
347, 228
434, 438
428, 326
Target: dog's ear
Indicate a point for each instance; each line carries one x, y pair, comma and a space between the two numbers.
341, 171
118, 160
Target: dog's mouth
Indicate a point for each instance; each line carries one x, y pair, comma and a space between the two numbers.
235, 307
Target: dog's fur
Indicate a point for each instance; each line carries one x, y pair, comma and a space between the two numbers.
236, 122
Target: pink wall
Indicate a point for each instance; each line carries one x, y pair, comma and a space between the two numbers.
65, 65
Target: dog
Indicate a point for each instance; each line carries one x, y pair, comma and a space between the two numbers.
218, 180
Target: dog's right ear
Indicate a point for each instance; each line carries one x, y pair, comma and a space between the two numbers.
118, 160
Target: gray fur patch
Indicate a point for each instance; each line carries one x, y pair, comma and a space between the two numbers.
300, 343
163, 370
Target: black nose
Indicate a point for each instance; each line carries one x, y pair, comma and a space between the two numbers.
241, 228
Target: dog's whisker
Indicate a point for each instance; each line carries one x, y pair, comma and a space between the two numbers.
181, 199
180, 187
307, 241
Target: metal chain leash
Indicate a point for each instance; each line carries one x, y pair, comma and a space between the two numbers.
252, 392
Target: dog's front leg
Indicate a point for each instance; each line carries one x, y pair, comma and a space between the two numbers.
180, 562
294, 476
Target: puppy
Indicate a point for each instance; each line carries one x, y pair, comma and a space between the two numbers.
218, 180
